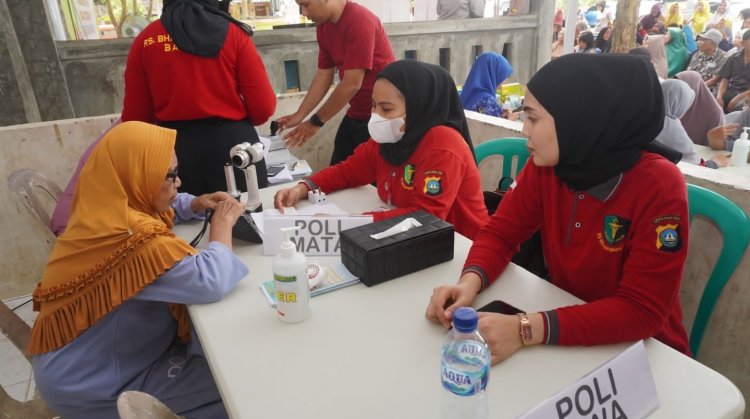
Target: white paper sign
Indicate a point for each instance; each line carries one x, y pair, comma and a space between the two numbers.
318, 235
622, 388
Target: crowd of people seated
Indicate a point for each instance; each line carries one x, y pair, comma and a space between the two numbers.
703, 50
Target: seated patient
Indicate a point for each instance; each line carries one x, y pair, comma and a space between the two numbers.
479, 92
111, 300
678, 98
419, 153
613, 216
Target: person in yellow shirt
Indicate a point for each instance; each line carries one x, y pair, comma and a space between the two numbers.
674, 17
700, 17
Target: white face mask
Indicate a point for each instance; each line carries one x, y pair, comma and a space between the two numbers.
385, 131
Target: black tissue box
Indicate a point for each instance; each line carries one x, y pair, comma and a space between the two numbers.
376, 261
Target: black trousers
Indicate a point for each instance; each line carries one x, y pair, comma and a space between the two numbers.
728, 96
351, 133
202, 149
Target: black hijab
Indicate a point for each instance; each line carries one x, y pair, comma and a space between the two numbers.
198, 27
431, 99
607, 108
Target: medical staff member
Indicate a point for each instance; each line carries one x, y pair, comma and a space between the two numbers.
613, 215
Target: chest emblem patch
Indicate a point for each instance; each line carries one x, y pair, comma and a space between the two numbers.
615, 229
668, 238
407, 181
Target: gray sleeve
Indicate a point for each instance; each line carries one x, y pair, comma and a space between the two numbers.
206, 277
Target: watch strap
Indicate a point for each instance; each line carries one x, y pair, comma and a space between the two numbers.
525, 329
315, 120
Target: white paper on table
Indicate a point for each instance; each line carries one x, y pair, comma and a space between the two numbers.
285, 175
258, 216
300, 167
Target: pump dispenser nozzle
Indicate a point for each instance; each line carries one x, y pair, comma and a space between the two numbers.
287, 246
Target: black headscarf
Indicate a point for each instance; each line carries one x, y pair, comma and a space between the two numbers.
431, 99
607, 108
198, 27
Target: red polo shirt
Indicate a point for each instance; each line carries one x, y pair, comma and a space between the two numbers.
163, 83
357, 41
440, 177
620, 246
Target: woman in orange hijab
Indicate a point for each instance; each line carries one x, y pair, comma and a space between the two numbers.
111, 299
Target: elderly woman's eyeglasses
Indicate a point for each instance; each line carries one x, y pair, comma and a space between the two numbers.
171, 176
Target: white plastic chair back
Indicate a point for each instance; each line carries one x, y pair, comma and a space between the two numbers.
37, 192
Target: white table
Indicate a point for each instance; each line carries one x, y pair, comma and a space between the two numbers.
371, 353
707, 153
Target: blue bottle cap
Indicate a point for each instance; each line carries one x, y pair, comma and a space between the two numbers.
465, 319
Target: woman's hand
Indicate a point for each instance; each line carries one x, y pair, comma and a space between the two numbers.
225, 215
447, 298
289, 197
208, 201
722, 160
501, 332
717, 136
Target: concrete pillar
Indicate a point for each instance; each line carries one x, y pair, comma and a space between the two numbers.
544, 11
17, 105
37, 84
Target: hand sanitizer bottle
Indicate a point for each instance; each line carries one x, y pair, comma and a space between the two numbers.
290, 276
741, 150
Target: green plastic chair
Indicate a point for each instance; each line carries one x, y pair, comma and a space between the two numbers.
510, 148
734, 226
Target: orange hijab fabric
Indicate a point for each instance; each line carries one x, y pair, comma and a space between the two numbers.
116, 243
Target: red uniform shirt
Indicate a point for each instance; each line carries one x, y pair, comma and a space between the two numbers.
357, 41
440, 177
163, 83
620, 246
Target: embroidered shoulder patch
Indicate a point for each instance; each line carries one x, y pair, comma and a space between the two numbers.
668, 237
433, 185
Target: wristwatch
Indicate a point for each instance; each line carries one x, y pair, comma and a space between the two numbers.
315, 120
525, 332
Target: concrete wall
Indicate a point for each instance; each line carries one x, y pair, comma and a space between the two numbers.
94, 70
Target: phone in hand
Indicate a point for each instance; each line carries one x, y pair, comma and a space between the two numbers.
499, 306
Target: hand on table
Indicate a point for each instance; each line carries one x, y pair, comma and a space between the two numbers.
722, 160
501, 332
447, 298
208, 201
289, 197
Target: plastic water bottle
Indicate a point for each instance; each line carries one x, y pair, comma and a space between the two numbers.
465, 369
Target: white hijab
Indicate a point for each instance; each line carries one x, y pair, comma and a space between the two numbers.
678, 97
